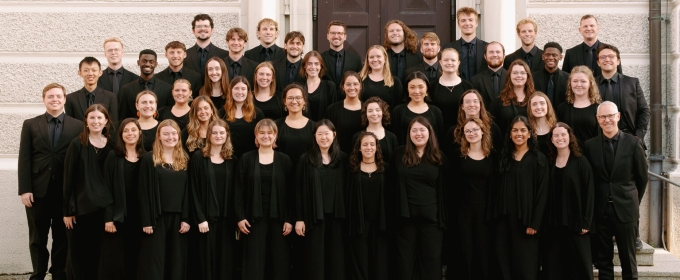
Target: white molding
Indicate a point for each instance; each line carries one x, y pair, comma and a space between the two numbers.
120, 7
592, 8
22, 108
9, 162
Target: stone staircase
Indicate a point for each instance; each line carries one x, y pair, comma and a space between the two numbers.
653, 264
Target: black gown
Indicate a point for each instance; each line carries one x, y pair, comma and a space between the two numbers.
272, 108
448, 100
402, 117
218, 101
503, 115
294, 141
243, 132
165, 113
149, 136
387, 144
346, 122
544, 143
583, 121
449, 146
393, 95
319, 100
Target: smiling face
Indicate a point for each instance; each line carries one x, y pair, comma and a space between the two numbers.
264, 77
146, 105
324, 137
518, 75
90, 73
368, 147
539, 107
214, 71
551, 58
589, 29
267, 34
376, 60
519, 134
419, 135
202, 30
374, 113
54, 100
204, 112
294, 100
429, 48
471, 105
96, 121
580, 84
449, 62
239, 92
313, 67
181, 93
336, 36
130, 134
294, 48
610, 61
417, 90
218, 135
473, 133
351, 87
147, 64
169, 137
560, 137
175, 56
494, 55
608, 118
467, 24
527, 33
236, 44
265, 137
395, 34
113, 51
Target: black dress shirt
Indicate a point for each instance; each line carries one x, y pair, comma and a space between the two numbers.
292, 70
202, 55
609, 151
468, 59
337, 63
234, 67
590, 55
115, 76
398, 63
55, 128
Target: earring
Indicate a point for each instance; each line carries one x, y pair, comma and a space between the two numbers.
304, 108
155, 114
285, 108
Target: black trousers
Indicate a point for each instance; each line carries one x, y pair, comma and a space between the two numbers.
216, 250
565, 254
162, 255
474, 242
46, 213
324, 250
368, 254
120, 252
419, 245
518, 255
266, 252
603, 247
84, 243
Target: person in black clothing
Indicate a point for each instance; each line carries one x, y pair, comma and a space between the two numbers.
198, 54
471, 49
77, 102
377, 78
542, 118
120, 243
337, 58
241, 115
418, 171
115, 76
236, 62
147, 81
164, 206
295, 131
527, 29
366, 213
565, 241
550, 79
491, 80
446, 92
266, 98
320, 93
580, 109
216, 82
264, 206
202, 113
267, 33
346, 114
181, 93
402, 114
514, 97
518, 202
401, 44
85, 193
176, 52
147, 113
212, 174
289, 67
430, 47
586, 53
471, 106
375, 115
320, 205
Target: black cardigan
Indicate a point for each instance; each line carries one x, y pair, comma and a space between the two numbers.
579, 185
82, 172
149, 193
248, 192
114, 177
308, 194
355, 203
204, 188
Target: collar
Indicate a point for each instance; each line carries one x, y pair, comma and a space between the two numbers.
50, 117
473, 41
550, 73
435, 65
532, 51
334, 53
151, 81
231, 61
401, 53
615, 79
180, 70
297, 64
594, 46
615, 138
110, 71
207, 48
491, 72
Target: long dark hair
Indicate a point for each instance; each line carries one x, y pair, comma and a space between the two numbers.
574, 148
333, 151
356, 157
420, 76
432, 154
507, 153
106, 131
119, 146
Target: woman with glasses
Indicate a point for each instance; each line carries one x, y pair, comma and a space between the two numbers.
471, 106
515, 95
295, 131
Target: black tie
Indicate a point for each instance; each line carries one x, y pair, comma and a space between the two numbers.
527, 59
432, 73
338, 67
202, 57
90, 99
609, 156
235, 67
469, 63
551, 88
147, 85
589, 59
267, 54
496, 84
116, 81
400, 66
291, 74
608, 92
175, 76
56, 133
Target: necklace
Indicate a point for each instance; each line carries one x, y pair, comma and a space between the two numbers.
368, 162
98, 142
450, 88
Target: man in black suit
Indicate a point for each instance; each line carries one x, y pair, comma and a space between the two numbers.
203, 50
288, 68
77, 102
550, 79
620, 171
339, 60
401, 43
586, 52
490, 82
44, 141
527, 29
267, 33
237, 64
470, 48
115, 75
176, 52
147, 81
429, 47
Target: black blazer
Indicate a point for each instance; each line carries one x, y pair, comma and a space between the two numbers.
247, 69
575, 57
191, 61
628, 180
421, 67
633, 106
481, 46
484, 84
38, 161
128, 96
412, 59
104, 81
280, 69
562, 80
190, 75
536, 61
254, 54
352, 62
76, 103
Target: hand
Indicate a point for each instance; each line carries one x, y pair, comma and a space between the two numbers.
109, 227
27, 199
300, 228
584, 231
184, 227
287, 228
69, 222
203, 227
243, 226
531, 231
148, 230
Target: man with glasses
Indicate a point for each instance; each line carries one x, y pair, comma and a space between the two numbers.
115, 75
550, 79
586, 52
203, 50
620, 174
338, 60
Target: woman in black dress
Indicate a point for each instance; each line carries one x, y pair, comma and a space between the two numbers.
580, 109
514, 96
85, 193
212, 172
542, 118
565, 239
418, 172
377, 80
264, 207
295, 131
202, 113
518, 202
450, 87
241, 115
147, 112
366, 219
375, 115
120, 244
471, 106
216, 81
164, 206
320, 93
402, 115
346, 114
267, 98
181, 92
320, 205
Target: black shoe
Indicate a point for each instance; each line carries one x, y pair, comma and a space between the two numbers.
638, 244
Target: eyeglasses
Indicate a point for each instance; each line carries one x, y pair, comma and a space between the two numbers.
471, 131
610, 56
608, 117
296, 98
336, 33
519, 73
474, 101
113, 51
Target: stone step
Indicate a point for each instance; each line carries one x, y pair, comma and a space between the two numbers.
666, 266
645, 257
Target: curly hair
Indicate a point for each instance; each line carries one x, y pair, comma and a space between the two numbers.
574, 148
383, 106
356, 156
593, 90
194, 141
410, 36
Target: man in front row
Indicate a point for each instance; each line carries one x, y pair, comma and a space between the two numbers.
620, 171
44, 141
550, 79
78, 101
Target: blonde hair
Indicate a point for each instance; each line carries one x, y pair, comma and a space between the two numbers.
113, 39
180, 159
525, 21
593, 90
387, 74
194, 126
267, 21
550, 117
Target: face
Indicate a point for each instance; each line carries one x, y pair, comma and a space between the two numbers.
539, 107
560, 137
204, 112
146, 105
589, 29
264, 77
395, 34
90, 73
239, 92
580, 84
374, 113
96, 121
214, 71
467, 24
294, 100
113, 51
236, 44
527, 33
376, 60
351, 87
313, 66
267, 33
175, 56
494, 55
131, 133
218, 136
518, 75
169, 137
519, 134
368, 147
471, 105
608, 118
336, 36
147, 64
551, 57
419, 134
417, 90
607, 60
473, 134
54, 100
265, 136
181, 93
203, 30
429, 48
449, 62
294, 47
324, 137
